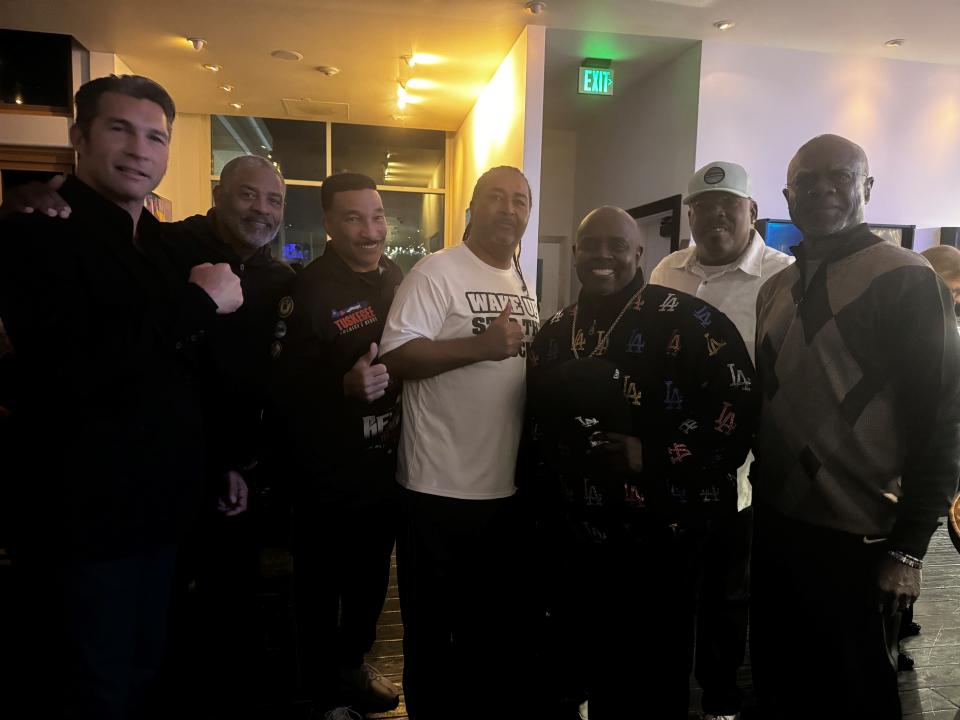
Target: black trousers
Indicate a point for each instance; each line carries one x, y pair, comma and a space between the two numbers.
462, 601
722, 613
341, 555
805, 579
92, 634
210, 670
602, 600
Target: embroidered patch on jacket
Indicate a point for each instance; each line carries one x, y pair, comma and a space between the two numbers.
354, 317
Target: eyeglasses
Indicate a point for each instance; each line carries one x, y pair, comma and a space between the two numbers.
709, 200
805, 181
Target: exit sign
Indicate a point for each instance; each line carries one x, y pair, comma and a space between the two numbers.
596, 81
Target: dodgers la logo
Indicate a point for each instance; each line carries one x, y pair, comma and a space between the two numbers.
673, 347
670, 304
703, 316
673, 400
636, 343
633, 496
553, 350
726, 421
592, 496
688, 426
678, 452
630, 391
602, 343
579, 342
737, 379
713, 346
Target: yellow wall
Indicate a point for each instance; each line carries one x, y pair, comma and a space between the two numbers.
503, 128
187, 182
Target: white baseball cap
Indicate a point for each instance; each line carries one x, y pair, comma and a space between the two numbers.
719, 177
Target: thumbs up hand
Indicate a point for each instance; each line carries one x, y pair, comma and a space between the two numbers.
365, 381
502, 338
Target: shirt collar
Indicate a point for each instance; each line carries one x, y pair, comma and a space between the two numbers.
750, 261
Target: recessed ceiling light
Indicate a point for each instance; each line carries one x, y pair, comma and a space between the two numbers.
227, 88
895, 43
724, 24
212, 68
399, 116
236, 106
536, 7
198, 43
18, 100
286, 55
328, 70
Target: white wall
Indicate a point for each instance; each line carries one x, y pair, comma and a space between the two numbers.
557, 193
758, 105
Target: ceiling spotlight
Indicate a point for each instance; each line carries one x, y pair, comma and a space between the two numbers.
328, 70
212, 68
286, 55
410, 60
399, 116
227, 88
895, 43
18, 100
198, 43
236, 105
724, 24
535, 8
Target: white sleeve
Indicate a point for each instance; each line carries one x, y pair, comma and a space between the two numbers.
418, 311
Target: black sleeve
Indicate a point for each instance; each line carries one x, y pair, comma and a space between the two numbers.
306, 379
54, 327
716, 432
927, 352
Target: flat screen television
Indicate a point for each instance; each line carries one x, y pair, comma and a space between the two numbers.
783, 234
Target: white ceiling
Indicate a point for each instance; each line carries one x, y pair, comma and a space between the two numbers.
366, 38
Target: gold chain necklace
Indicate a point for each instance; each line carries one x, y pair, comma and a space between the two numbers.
605, 340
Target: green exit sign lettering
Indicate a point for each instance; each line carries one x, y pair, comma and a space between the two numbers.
595, 81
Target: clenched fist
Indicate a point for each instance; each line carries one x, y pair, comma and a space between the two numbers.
365, 381
220, 283
502, 338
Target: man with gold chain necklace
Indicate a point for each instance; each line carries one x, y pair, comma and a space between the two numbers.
642, 407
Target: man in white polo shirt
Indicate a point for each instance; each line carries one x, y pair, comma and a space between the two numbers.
457, 335
725, 267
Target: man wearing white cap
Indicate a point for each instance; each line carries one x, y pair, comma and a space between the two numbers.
725, 267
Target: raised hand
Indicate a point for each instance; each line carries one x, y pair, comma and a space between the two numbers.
365, 381
220, 283
503, 338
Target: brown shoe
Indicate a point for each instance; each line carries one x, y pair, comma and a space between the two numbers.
371, 690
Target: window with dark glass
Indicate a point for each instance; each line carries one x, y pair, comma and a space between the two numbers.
392, 156
36, 70
299, 147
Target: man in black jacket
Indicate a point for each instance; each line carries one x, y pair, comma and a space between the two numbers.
106, 327
338, 416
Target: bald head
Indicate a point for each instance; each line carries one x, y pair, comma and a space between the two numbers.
828, 185
607, 250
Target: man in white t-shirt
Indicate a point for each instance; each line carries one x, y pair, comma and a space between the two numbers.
457, 335
725, 268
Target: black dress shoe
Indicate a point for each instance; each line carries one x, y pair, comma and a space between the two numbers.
904, 662
909, 629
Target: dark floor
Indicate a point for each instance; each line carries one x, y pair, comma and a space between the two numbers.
930, 692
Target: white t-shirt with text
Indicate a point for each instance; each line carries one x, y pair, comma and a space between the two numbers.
460, 429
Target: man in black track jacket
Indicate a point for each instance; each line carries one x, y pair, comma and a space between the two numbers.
338, 416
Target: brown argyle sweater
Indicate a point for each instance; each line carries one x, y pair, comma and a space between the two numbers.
859, 361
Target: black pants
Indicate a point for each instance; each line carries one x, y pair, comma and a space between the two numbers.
462, 602
93, 633
211, 664
341, 555
807, 578
722, 613
603, 599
